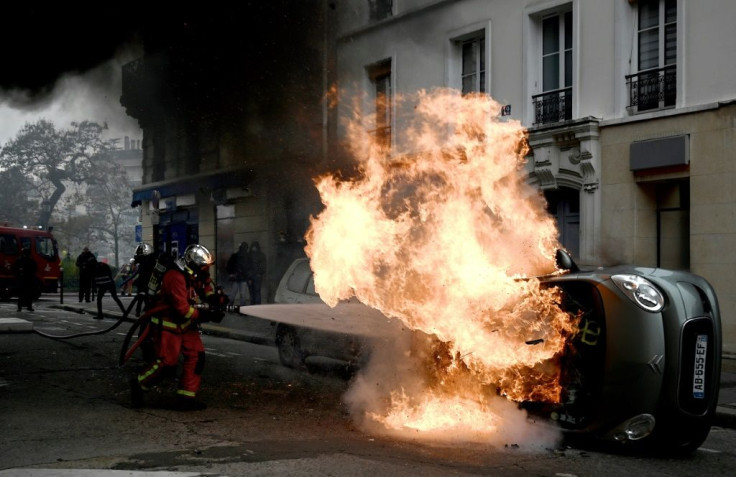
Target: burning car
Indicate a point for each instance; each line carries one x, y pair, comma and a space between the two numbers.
645, 363
642, 368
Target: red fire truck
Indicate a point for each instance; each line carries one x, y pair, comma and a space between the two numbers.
43, 250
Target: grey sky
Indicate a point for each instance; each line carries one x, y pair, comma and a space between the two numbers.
94, 96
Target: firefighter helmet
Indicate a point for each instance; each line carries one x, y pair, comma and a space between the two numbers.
197, 258
143, 249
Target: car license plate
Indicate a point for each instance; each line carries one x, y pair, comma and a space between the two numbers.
701, 349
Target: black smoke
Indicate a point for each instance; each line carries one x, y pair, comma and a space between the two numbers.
40, 43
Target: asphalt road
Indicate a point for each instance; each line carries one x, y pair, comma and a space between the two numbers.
65, 410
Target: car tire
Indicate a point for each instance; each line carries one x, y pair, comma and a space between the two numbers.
290, 351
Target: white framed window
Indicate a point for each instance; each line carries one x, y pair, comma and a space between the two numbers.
657, 34
468, 58
654, 86
473, 64
556, 53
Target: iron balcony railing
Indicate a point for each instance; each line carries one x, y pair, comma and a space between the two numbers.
652, 89
553, 106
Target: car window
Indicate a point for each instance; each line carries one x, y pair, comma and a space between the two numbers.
8, 244
25, 243
299, 277
310, 285
45, 247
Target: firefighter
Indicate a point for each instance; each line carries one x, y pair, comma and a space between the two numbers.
175, 328
145, 260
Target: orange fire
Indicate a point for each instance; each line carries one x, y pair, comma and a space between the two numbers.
443, 233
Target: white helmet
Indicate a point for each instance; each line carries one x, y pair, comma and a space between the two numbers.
143, 249
197, 258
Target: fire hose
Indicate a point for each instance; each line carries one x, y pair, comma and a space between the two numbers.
219, 303
125, 353
98, 332
142, 322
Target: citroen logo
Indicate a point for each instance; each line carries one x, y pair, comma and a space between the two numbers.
656, 363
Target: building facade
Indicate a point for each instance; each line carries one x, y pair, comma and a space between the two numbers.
629, 107
231, 109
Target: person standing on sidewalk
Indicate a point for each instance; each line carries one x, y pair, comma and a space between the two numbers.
25, 272
86, 262
105, 283
256, 270
237, 269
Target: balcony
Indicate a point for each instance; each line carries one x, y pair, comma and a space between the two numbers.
652, 89
552, 106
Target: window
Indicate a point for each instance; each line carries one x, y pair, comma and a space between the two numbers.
46, 247
380, 77
380, 9
473, 75
8, 244
555, 102
299, 277
654, 85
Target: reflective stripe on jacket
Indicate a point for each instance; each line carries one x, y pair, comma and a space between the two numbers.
178, 294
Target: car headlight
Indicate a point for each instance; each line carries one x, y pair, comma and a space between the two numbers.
641, 291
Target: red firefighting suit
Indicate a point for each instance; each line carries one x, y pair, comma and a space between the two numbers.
176, 331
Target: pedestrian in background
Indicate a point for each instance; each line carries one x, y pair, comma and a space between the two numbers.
86, 262
105, 283
256, 270
126, 274
25, 274
237, 270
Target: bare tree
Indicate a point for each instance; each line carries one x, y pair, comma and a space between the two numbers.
17, 207
108, 204
55, 158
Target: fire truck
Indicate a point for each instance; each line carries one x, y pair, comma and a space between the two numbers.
44, 251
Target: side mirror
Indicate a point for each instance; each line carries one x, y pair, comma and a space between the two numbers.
565, 262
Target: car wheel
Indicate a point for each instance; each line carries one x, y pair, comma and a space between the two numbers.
290, 351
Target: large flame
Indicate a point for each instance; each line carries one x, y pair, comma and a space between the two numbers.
444, 237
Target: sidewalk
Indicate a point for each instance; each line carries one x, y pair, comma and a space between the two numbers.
258, 331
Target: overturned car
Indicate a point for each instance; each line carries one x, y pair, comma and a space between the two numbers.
644, 367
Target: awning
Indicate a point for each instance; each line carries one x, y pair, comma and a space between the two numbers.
192, 184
